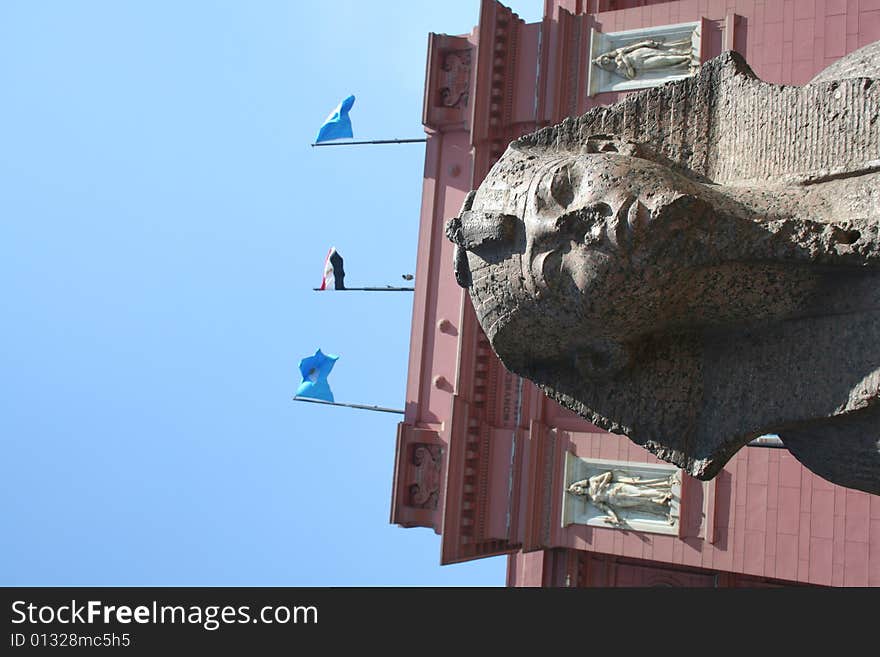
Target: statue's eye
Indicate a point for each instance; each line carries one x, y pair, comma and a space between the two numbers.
557, 189
563, 185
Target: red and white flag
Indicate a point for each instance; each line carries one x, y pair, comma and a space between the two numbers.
334, 274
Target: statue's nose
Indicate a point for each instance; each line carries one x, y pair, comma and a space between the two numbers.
474, 230
477, 232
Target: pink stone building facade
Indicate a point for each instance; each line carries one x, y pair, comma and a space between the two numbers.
481, 453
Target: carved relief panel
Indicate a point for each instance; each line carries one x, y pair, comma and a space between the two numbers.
622, 495
648, 57
424, 486
447, 95
454, 78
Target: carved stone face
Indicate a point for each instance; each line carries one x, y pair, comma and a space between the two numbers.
686, 284
572, 237
583, 212
604, 277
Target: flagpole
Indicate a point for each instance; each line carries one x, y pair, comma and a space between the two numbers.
376, 141
366, 289
360, 406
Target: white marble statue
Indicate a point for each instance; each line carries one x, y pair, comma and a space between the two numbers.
636, 58
616, 491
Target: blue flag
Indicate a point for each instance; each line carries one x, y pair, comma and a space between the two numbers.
337, 125
314, 370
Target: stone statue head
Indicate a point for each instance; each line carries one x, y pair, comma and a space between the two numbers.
606, 61
574, 236
688, 289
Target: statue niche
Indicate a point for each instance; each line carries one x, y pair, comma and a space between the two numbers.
633, 60
696, 266
616, 492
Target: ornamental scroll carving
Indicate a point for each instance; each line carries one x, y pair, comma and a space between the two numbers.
426, 462
454, 79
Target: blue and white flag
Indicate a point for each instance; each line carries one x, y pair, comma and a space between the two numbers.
314, 370
337, 125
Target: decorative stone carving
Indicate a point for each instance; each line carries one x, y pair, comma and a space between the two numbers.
455, 78
696, 266
651, 55
643, 58
635, 496
424, 490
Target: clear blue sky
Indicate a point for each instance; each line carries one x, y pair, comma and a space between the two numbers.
162, 222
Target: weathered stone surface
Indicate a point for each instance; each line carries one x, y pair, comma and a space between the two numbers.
863, 63
697, 265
